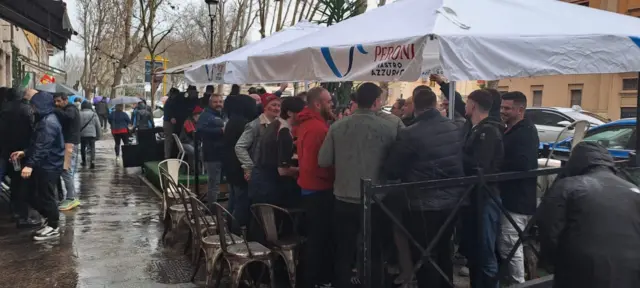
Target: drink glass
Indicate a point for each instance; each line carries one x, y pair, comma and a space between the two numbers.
16, 165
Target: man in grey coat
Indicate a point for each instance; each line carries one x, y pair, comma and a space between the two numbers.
357, 146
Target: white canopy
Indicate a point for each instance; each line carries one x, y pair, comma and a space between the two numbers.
463, 39
181, 68
232, 68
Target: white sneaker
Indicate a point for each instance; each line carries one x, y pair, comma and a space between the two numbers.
47, 233
42, 228
464, 271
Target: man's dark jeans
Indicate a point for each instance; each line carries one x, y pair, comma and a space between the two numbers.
318, 252
485, 247
347, 223
44, 194
423, 226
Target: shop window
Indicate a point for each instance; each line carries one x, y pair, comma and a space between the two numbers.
630, 84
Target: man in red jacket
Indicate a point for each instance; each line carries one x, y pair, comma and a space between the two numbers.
317, 187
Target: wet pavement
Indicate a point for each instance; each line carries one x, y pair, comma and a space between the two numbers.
111, 240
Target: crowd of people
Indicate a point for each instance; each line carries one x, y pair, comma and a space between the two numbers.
296, 152
299, 152
46, 133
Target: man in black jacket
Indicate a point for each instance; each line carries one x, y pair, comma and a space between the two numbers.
103, 112
588, 223
518, 196
429, 149
69, 117
17, 119
483, 153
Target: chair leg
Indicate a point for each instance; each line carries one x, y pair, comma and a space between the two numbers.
236, 273
195, 271
212, 255
188, 244
167, 227
219, 273
290, 261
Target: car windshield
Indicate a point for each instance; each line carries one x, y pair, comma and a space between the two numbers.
612, 138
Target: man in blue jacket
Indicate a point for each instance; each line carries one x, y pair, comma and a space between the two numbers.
210, 128
43, 164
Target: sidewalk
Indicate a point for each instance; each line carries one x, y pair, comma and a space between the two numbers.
112, 240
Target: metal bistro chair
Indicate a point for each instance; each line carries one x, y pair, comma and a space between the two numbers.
172, 167
181, 152
174, 211
209, 240
181, 212
272, 220
241, 253
195, 241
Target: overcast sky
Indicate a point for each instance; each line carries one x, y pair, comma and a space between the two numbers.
75, 45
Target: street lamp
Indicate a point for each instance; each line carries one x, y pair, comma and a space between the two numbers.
213, 7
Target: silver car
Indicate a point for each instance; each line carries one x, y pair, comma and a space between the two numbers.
550, 121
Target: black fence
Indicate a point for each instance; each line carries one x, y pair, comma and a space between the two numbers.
476, 186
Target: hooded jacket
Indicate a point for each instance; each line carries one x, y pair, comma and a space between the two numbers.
90, 122
101, 108
241, 110
46, 150
520, 154
311, 133
357, 145
69, 117
430, 149
590, 223
143, 118
16, 125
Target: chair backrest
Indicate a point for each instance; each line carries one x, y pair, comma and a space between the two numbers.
173, 168
272, 220
180, 147
580, 130
179, 189
200, 212
223, 230
579, 127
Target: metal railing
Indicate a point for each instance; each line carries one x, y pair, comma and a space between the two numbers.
371, 193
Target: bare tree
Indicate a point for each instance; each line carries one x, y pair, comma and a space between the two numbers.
97, 24
152, 38
72, 64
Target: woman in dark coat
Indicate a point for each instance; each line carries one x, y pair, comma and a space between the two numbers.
241, 109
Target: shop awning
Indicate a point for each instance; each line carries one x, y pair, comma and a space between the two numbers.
46, 19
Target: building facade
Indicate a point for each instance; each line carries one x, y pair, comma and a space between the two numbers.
610, 95
21, 53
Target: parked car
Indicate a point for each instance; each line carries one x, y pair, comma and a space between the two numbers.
550, 121
619, 137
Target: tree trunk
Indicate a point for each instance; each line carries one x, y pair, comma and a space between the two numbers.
295, 11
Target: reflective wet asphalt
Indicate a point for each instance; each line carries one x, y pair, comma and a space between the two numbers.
111, 240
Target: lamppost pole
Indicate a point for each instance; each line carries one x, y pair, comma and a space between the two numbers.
212, 5
212, 18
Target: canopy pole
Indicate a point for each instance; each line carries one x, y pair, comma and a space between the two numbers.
637, 162
452, 99
306, 85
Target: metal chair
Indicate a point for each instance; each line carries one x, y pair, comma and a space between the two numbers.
240, 253
209, 241
272, 220
172, 167
580, 128
174, 209
181, 151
